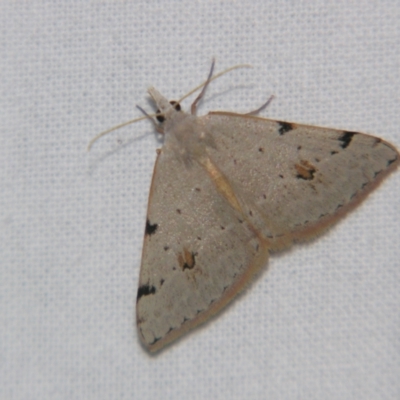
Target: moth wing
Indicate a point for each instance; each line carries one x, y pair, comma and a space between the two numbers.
294, 180
198, 252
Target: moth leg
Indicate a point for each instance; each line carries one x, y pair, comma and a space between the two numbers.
201, 94
265, 105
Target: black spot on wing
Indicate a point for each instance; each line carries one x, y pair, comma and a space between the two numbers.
337, 208
156, 340
150, 228
145, 290
346, 139
284, 127
377, 141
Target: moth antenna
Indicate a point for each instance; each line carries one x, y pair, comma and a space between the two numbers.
265, 105
206, 82
114, 128
201, 94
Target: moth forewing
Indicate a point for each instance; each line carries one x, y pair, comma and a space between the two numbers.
296, 180
192, 235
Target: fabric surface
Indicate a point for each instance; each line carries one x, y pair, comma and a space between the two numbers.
322, 323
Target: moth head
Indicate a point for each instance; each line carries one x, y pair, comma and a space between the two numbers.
165, 108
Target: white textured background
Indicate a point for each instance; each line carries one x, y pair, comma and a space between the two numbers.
324, 323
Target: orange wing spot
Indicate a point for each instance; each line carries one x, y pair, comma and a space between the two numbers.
305, 170
186, 259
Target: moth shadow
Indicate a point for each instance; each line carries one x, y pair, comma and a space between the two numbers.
224, 93
94, 164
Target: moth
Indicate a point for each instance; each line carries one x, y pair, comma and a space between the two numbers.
227, 190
